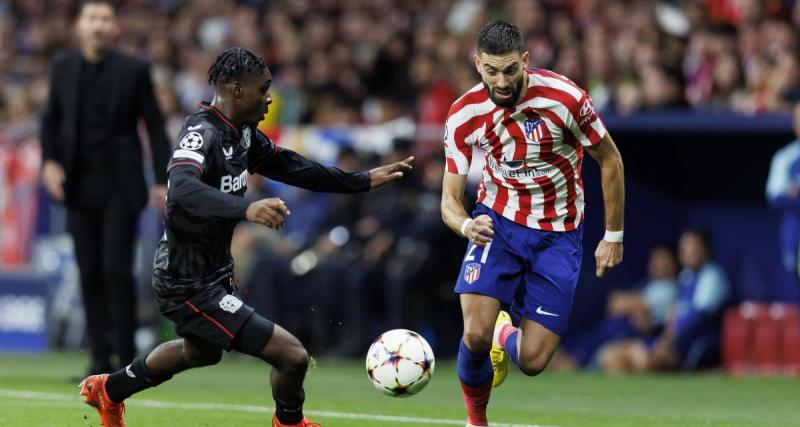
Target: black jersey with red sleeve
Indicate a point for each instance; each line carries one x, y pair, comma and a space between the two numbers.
207, 179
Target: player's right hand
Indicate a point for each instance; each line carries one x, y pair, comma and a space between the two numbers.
53, 179
480, 230
268, 212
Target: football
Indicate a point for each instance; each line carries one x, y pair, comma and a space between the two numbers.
400, 363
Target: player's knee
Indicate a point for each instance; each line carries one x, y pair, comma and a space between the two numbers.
477, 340
533, 365
297, 360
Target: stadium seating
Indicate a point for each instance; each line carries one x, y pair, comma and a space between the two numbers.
762, 339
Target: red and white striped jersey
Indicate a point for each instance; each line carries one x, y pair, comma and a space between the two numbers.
533, 150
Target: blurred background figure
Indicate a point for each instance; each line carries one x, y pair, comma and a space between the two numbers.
640, 312
691, 337
92, 162
783, 196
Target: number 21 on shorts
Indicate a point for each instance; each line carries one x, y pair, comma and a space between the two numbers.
471, 257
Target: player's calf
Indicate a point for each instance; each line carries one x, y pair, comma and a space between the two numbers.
132, 379
290, 361
533, 364
197, 357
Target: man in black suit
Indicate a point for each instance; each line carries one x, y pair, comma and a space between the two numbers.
92, 162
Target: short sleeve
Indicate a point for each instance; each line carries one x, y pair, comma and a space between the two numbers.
457, 141
711, 290
586, 125
261, 149
194, 145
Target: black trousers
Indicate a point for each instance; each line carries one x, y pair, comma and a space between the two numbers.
104, 236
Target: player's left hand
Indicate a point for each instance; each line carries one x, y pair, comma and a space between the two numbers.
608, 255
158, 197
388, 173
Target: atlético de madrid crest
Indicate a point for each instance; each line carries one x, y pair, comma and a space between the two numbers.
246, 137
472, 272
534, 130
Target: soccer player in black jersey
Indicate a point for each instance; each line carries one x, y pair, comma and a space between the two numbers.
219, 145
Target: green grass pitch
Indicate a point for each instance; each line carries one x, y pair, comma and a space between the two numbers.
34, 392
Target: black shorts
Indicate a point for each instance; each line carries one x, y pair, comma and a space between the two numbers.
217, 316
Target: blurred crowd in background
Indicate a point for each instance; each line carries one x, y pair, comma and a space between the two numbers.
372, 61
346, 268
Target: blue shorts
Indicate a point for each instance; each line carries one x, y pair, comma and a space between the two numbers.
534, 272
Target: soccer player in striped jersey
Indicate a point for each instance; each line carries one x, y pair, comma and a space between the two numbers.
525, 234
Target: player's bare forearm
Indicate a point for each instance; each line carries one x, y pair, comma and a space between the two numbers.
612, 176
453, 212
480, 230
609, 254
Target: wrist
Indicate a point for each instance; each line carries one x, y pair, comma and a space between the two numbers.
368, 180
244, 208
464, 225
613, 236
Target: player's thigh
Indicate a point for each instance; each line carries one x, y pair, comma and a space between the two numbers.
551, 279
479, 313
284, 350
537, 344
253, 335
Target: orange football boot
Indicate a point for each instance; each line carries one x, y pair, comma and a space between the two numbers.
93, 389
304, 423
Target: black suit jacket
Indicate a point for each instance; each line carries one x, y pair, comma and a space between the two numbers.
131, 98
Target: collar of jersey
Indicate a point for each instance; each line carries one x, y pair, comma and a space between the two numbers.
207, 106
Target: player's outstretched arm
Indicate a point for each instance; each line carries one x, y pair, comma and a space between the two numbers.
291, 168
479, 230
609, 252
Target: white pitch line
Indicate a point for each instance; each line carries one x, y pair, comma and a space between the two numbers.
161, 404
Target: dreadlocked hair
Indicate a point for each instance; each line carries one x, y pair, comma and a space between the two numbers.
232, 63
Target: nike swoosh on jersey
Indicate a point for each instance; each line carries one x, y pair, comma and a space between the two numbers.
545, 313
195, 127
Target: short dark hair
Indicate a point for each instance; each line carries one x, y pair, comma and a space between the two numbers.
499, 37
232, 63
668, 247
703, 234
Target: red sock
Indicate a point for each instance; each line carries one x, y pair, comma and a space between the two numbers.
475, 400
504, 333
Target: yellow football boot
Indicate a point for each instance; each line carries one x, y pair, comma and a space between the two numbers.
498, 355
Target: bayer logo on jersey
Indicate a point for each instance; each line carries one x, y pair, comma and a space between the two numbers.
472, 272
